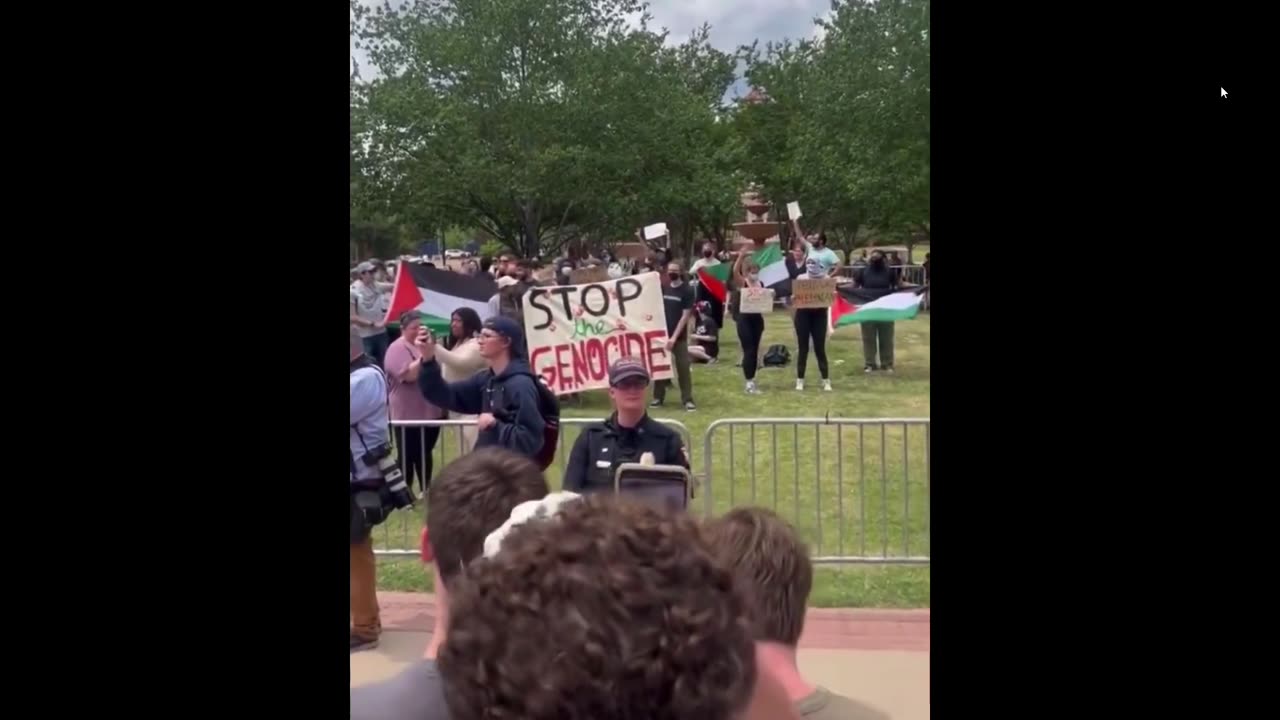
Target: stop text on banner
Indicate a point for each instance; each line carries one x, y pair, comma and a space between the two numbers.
576, 331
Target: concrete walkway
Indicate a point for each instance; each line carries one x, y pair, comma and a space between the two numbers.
878, 657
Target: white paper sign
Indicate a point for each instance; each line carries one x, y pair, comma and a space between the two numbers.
575, 332
755, 300
793, 210
655, 231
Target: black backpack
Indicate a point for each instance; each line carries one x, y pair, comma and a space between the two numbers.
549, 408
777, 356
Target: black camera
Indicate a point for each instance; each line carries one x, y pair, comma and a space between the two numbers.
397, 491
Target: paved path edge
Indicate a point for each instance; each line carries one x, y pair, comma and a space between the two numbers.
825, 628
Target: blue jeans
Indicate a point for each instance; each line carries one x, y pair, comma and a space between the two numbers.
376, 346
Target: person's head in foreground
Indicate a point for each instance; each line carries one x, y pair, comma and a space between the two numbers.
772, 565
774, 574
607, 610
473, 496
628, 381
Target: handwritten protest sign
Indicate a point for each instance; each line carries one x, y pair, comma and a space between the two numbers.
756, 300
793, 211
655, 231
576, 331
593, 274
813, 292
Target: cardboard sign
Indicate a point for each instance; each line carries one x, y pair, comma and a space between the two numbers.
756, 300
655, 231
575, 332
813, 293
793, 211
594, 274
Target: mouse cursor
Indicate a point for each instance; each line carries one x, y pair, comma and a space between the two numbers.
1224, 92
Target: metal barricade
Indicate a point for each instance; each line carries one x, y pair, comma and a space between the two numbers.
907, 274
399, 535
888, 501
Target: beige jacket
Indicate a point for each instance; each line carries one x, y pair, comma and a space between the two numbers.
456, 365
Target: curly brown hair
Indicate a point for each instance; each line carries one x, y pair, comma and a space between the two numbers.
610, 610
771, 565
471, 498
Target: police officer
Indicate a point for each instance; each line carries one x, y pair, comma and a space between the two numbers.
624, 437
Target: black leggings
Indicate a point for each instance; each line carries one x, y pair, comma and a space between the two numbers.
811, 323
750, 330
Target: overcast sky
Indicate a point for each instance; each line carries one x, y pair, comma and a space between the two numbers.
733, 22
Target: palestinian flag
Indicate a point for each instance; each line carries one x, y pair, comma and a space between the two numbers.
855, 305
715, 278
437, 293
773, 269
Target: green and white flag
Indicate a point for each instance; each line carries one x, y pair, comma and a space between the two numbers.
773, 267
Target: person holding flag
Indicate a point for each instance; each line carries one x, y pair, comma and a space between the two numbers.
746, 274
706, 293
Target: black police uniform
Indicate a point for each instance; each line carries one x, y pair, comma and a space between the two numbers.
603, 447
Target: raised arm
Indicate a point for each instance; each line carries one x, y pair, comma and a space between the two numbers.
737, 270
460, 397
465, 357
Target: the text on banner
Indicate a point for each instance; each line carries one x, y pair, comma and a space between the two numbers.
813, 292
576, 331
755, 300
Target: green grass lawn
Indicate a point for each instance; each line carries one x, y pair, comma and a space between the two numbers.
844, 502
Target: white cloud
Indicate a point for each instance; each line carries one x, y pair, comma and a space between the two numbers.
733, 22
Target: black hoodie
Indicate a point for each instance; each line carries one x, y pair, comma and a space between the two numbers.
511, 396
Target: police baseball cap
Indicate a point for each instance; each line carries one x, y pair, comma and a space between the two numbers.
627, 367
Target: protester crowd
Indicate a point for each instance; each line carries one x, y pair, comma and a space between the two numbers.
605, 600
694, 315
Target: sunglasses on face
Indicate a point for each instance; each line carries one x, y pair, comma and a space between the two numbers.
632, 384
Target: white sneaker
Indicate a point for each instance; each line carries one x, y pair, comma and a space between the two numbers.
799, 384
826, 386
751, 388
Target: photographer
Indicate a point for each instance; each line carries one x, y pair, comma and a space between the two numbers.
377, 488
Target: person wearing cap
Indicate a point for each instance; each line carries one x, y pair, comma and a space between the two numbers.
402, 364
368, 311
624, 436
504, 395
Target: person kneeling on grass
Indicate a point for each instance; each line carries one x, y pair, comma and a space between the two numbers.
705, 345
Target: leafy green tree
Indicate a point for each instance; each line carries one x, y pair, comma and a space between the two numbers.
845, 127
537, 121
